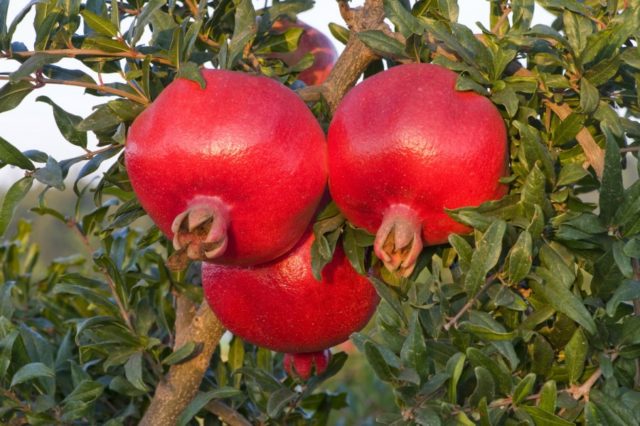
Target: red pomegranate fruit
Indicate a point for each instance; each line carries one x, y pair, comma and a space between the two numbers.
404, 145
313, 41
282, 307
305, 365
233, 172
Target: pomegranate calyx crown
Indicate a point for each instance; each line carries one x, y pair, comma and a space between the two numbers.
200, 232
398, 241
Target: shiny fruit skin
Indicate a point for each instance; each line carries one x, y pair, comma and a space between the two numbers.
312, 41
249, 142
305, 365
406, 137
282, 307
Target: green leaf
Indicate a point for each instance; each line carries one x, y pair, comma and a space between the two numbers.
524, 388
279, 400
500, 374
464, 250
244, 30
355, 252
102, 119
485, 256
486, 333
571, 173
614, 411
611, 189
14, 195
576, 355
405, 22
548, 397
562, 299
454, 368
589, 96
50, 174
191, 71
285, 42
236, 354
388, 296
184, 353
485, 386
202, 399
382, 44
383, 370
4, 7
414, 349
11, 155
507, 97
66, 123
6, 350
133, 371
143, 19
627, 291
568, 128
33, 64
11, 94
339, 32
520, 258
31, 371
542, 417
99, 24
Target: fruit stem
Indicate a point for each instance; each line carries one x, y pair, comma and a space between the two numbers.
200, 232
398, 241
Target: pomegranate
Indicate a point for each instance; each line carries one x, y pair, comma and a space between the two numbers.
312, 41
404, 145
304, 365
233, 172
281, 306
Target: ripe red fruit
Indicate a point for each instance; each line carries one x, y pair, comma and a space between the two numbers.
281, 306
234, 171
304, 365
403, 146
312, 41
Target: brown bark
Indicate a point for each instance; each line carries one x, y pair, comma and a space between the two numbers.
181, 384
356, 56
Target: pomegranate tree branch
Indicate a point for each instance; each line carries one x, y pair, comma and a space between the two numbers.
227, 414
453, 322
180, 385
72, 53
582, 391
99, 87
356, 56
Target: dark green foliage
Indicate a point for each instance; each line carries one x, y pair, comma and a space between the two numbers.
533, 318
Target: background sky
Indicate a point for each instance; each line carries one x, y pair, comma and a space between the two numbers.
31, 125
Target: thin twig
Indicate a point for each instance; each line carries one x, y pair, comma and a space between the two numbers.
629, 149
101, 88
582, 391
454, 320
505, 14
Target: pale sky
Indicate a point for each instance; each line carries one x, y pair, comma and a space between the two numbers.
31, 125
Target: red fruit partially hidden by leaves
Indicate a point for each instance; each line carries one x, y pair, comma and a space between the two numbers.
304, 365
281, 306
233, 172
404, 145
311, 41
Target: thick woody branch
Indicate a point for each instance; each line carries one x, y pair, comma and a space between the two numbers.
356, 56
227, 414
181, 384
